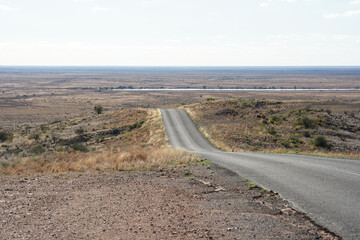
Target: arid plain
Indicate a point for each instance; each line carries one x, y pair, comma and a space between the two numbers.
56, 136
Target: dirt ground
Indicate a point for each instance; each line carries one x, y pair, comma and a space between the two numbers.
279, 125
201, 201
17, 111
38, 95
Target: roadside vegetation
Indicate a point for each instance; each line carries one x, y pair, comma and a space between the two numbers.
129, 139
325, 128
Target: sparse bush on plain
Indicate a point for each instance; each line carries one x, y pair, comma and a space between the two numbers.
79, 130
98, 109
5, 136
35, 136
251, 103
79, 147
271, 131
306, 134
306, 122
276, 118
5, 163
38, 149
285, 144
43, 127
321, 141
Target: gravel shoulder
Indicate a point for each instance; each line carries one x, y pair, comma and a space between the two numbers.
202, 201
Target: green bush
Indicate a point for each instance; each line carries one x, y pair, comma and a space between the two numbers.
5, 136
306, 134
285, 144
79, 130
5, 163
306, 122
98, 109
38, 149
276, 118
35, 136
79, 147
271, 131
321, 141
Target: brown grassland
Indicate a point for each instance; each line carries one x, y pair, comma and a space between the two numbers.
50, 114
129, 139
69, 173
325, 128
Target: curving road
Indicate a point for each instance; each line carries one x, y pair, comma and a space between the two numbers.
327, 189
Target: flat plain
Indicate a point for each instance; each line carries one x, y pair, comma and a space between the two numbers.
57, 138
43, 94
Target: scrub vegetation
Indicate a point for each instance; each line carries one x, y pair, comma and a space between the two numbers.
328, 128
129, 139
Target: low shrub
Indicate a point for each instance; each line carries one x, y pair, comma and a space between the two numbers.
79, 147
98, 109
306, 134
306, 122
35, 136
321, 141
276, 118
5, 136
271, 131
38, 149
5, 163
285, 144
79, 130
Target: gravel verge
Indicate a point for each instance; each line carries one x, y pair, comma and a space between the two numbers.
183, 202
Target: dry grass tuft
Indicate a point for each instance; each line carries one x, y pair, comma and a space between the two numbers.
136, 159
253, 125
143, 148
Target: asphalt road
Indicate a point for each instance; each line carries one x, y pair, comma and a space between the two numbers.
327, 189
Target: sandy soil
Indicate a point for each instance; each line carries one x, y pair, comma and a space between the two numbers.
185, 202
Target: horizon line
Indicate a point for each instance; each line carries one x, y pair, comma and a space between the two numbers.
180, 66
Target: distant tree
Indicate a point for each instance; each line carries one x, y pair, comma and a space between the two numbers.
98, 109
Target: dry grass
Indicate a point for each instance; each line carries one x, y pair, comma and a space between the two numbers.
270, 126
137, 159
141, 148
316, 153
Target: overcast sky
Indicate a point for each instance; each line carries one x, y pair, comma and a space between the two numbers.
180, 32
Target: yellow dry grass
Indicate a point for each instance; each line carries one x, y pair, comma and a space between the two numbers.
316, 153
248, 129
157, 134
156, 154
137, 159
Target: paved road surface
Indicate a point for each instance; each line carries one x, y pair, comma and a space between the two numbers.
327, 189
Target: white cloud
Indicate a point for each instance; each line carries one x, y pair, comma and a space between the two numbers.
265, 4
101, 9
269, 2
345, 14
247, 53
321, 38
85, 0
355, 2
7, 8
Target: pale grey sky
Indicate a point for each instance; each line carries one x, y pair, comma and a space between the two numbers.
180, 32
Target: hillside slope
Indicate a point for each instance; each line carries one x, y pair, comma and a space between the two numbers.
315, 127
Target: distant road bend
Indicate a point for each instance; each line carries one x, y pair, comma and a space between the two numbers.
327, 189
